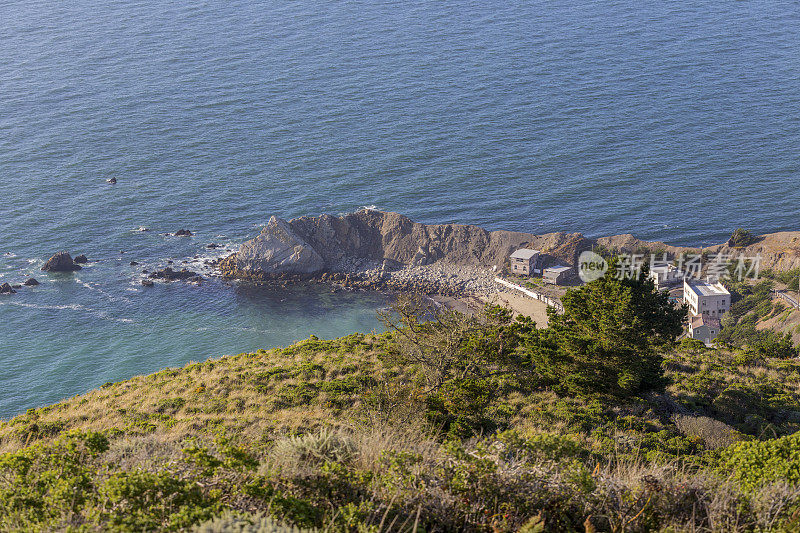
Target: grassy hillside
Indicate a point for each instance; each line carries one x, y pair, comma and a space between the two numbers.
377, 433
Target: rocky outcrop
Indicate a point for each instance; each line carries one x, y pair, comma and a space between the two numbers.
310, 245
81, 259
277, 250
183, 233
31, 282
373, 244
61, 262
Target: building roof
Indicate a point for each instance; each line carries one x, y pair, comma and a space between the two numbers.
525, 253
557, 269
664, 267
704, 288
705, 320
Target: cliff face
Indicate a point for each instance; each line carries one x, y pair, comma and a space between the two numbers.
309, 245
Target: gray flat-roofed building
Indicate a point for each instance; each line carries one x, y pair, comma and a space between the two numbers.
557, 274
525, 262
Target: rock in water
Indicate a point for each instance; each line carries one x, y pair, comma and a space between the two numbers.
81, 259
61, 262
31, 282
5, 288
112, 181
168, 274
278, 250
183, 233
147, 283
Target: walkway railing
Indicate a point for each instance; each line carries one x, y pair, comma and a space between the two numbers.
791, 299
552, 302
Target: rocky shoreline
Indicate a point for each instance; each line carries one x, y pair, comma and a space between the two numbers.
354, 274
386, 251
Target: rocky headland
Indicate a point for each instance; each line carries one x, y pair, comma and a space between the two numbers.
384, 250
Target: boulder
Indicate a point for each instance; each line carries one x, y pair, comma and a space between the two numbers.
214, 245
60, 262
81, 259
277, 250
5, 288
31, 282
183, 233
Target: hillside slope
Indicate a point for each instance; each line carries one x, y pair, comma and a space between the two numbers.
314, 434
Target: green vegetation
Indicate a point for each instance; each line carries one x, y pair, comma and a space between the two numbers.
608, 338
750, 305
599, 423
741, 238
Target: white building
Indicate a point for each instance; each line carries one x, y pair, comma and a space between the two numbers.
665, 275
706, 298
525, 262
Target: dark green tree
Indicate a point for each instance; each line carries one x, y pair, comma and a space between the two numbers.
741, 238
608, 338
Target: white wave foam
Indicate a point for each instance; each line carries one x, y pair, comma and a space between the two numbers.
71, 307
101, 291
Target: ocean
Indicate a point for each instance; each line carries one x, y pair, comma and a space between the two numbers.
669, 120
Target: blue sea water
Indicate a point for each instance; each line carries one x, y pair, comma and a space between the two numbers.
671, 120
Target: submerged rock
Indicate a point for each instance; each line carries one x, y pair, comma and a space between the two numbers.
183, 233
81, 259
147, 283
168, 274
5, 288
31, 282
60, 262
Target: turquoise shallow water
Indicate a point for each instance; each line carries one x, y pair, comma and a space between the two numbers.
671, 121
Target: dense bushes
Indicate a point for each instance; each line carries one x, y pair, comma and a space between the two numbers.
754, 464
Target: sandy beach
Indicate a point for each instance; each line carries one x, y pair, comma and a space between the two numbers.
520, 305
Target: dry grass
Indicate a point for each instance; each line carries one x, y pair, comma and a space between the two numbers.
246, 393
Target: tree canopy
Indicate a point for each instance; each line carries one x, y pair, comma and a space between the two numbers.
608, 337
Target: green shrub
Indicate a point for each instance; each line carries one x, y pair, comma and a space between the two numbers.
753, 464
246, 523
145, 501
741, 238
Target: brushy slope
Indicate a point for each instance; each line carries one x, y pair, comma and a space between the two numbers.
448, 422
298, 433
